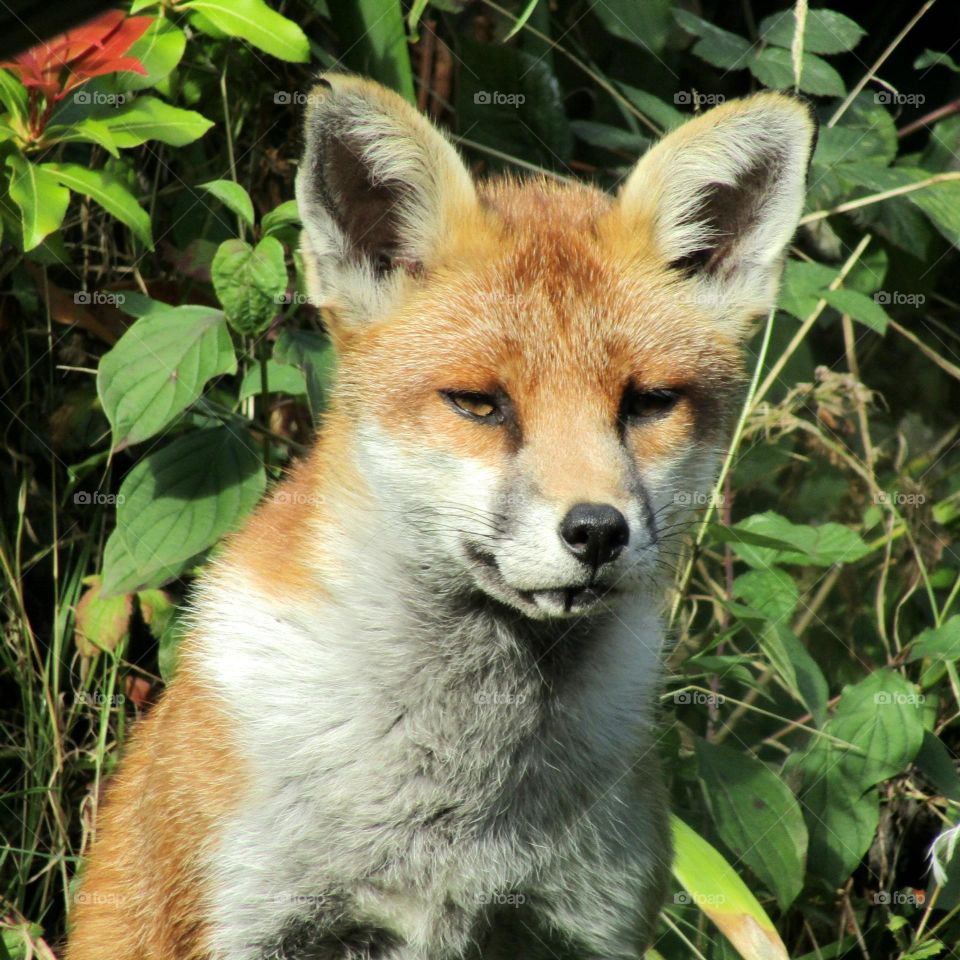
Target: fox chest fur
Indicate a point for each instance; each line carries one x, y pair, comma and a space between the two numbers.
413, 719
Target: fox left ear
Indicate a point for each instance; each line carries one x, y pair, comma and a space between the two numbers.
719, 199
380, 190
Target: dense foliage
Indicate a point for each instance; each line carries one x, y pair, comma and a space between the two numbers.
160, 367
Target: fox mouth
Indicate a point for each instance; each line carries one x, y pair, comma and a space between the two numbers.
565, 601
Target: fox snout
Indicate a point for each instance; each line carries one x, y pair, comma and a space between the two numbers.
595, 533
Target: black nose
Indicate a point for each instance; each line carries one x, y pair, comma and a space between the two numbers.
595, 532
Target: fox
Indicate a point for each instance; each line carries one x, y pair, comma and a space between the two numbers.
414, 715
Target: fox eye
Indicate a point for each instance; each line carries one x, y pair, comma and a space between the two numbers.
484, 407
640, 404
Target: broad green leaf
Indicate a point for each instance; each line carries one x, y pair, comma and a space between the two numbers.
250, 282
653, 107
182, 498
938, 643
107, 190
720, 48
825, 31
102, 623
160, 49
866, 132
124, 574
150, 118
803, 285
280, 217
233, 197
863, 309
822, 545
646, 24
773, 67
41, 199
933, 58
937, 764
773, 592
157, 608
610, 137
715, 887
159, 367
374, 42
13, 94
281, 378
756, 816
313, 354
255, 22
87, 130
168, 648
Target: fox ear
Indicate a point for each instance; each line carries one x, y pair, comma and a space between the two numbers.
379, 188
719, 199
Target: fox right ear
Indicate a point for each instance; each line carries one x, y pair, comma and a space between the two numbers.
379, 189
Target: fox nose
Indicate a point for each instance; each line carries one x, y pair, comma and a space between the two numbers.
594, 533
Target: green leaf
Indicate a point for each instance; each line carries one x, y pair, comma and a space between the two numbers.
168, 648
646, 24
123, 574
610, 137
42, 201
280, 217
773, 592
13, 94
107, 190
150, 118
825, 31
233, 197
250, 282
714, 886
756, 816
773, 67
160, 49
159, 367
374, 42
937, 764
314, 355
933, 58
255, 22
281, 378
657, 110
102, 622
183, 498
803, 285
822, 545
862, 308
866, 132
87, 130
720, 48
938, 643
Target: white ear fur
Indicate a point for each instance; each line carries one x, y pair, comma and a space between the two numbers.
720, 197
379, 188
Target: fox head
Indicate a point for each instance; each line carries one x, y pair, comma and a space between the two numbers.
539, 377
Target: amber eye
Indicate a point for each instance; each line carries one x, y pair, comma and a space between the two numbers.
484, 407
640, 404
